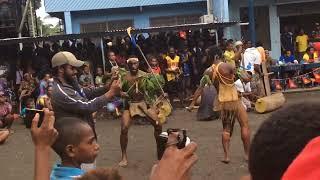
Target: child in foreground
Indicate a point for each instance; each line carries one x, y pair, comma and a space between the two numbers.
74, 141
75, 145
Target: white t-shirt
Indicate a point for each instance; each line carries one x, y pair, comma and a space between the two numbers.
251, 57
242, 87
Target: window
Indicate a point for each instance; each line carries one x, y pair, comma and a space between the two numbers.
106, 26
174, 20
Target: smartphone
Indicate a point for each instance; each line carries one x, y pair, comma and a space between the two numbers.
30, 113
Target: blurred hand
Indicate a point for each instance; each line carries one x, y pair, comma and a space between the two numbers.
175, 163
46, 134
124, 94
115, 88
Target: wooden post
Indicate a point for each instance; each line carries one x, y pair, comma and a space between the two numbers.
266, 79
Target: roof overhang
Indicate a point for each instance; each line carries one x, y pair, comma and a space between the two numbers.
119, 32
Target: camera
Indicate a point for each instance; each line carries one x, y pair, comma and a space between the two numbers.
182, 140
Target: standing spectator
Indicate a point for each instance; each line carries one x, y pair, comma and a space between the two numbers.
86, 79
186, 69
197, 65
19, 77
173, 73
316, 32
287, 42
68, 99
111, 62
155, 68
27, 87
44, 84
302, 43
229, 54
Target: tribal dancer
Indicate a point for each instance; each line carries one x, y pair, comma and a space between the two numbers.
228, 103
137, 85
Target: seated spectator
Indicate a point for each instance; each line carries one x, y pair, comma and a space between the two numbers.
28, 105
6, 115
281, 138
287, 58
4, 135
310, 56
76, 144
99, 77
27, 87
45, 100
86, 79
244, 89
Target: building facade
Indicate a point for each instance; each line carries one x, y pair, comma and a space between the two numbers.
270, 16
91, 16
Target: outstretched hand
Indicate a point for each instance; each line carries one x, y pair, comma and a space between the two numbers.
175, 163
115, 88
46, 134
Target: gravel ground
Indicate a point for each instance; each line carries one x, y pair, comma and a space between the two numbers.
16, 155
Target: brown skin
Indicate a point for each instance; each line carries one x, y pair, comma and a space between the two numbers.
85, 152
43, 137
47, 101
9, 118
126, 120
67, 73
242, 117
176, 163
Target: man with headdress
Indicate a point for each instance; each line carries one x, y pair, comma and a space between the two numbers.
135, 83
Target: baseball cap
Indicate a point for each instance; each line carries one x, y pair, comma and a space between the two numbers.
65, 57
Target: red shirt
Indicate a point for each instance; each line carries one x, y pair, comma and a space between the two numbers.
156, 70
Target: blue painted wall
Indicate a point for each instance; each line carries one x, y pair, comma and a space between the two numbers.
140, 17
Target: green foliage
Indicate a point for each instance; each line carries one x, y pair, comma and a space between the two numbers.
205, 80
48, 29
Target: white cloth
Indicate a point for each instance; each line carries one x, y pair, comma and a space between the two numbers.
251, 57
19, 76
242, 87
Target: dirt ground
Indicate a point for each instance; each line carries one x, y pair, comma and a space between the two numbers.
16, 155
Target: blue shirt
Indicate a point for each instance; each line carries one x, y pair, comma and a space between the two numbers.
65, 173
287, 59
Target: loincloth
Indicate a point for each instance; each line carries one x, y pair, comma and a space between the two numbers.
229, 113
135, 108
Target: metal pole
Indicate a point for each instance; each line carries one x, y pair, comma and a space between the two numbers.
252, 29
103, 56
35, 15
24, 16
217, 38
32, 19
209, 7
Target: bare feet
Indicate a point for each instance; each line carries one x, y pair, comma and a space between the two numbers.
123, 163
226, 160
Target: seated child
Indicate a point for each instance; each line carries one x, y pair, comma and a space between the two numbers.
287, 58
99, 78
6, 115
76, 144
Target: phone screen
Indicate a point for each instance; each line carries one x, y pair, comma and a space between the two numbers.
30, 113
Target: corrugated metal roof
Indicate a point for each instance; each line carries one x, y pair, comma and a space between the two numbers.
81, 5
